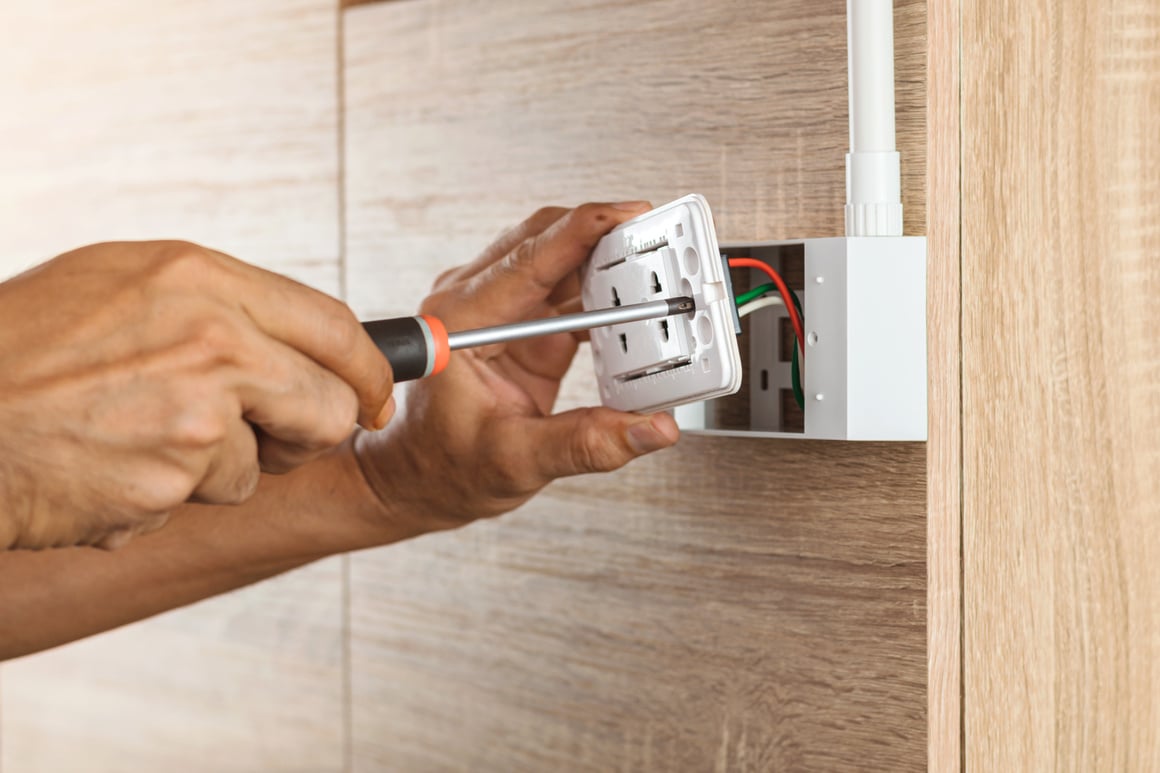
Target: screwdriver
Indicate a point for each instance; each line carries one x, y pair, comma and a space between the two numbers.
420, 346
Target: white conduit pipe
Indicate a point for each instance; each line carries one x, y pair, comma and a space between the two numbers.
873, 186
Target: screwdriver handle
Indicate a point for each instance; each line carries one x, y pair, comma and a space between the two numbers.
416, 347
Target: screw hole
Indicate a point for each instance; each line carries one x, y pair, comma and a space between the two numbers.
615, 297
656, 283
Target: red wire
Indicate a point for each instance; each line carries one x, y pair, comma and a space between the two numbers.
768, 269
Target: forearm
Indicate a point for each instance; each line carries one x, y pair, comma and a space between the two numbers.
51, 597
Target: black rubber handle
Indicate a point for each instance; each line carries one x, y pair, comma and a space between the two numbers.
407, 345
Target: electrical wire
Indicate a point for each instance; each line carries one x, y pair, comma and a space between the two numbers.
794, 315
795, 374
745, 309
747, 304
756, 292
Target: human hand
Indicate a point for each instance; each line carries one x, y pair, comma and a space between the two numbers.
138, 376
479, 439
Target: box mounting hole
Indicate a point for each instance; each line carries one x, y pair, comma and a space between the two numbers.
665, 329
656, 283
615, 297
623, 340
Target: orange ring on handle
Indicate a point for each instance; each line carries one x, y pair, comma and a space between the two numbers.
442, 353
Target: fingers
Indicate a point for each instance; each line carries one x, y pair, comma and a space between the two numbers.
300, 408
511, 288
535, 225
597, 440
320, 327
122, 537
233, 473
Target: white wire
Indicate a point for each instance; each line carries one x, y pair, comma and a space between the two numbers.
760, 303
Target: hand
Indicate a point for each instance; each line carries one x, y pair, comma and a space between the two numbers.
137, 376
479, 439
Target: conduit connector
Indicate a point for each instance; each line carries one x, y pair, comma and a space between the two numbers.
873, 186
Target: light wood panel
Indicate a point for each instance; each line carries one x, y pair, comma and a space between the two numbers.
1061, 388
217, 122
944, 395
451, 103
741, 605
211, 121
251, 681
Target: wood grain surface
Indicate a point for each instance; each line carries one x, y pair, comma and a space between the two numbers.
944, 389
216, 122
198, 119
727, 605
1061, 385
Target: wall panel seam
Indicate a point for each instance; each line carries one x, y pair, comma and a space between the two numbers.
962, 420
343, 289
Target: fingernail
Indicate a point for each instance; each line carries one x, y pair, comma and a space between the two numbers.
116, 540
654, 434
386, 414
631, 205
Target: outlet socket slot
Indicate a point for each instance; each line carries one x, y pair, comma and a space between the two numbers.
658, 364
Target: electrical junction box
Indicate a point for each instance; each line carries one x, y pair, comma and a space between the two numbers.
864, 366
864, 308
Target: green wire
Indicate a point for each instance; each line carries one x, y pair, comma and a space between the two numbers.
795, 367
756, 292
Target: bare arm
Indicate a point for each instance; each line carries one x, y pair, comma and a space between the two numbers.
51, 597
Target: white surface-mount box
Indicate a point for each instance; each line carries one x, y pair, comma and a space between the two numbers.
654, 365
864, 366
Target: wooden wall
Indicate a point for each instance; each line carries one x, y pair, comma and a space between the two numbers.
1061, 385
213, 121
727, 605
730, 605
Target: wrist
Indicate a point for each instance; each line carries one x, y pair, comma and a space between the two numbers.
387, 480
407, 494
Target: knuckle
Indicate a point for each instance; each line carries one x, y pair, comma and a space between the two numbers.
520, 262
161, 491
438, 301
590, 213
594, 450
198, 426
544, 217
342, 326
445, 278
181, 262
512, 477
214, 339
338, 426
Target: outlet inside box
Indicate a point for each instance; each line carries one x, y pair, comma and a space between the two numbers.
766, 402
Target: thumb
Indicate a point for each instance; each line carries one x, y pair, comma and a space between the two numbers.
599, 440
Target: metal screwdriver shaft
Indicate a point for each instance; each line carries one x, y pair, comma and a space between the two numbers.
568, 323
418, 347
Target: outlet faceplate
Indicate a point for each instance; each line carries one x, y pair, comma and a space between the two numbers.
650, 366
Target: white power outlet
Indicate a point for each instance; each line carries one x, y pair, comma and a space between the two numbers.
650, 366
